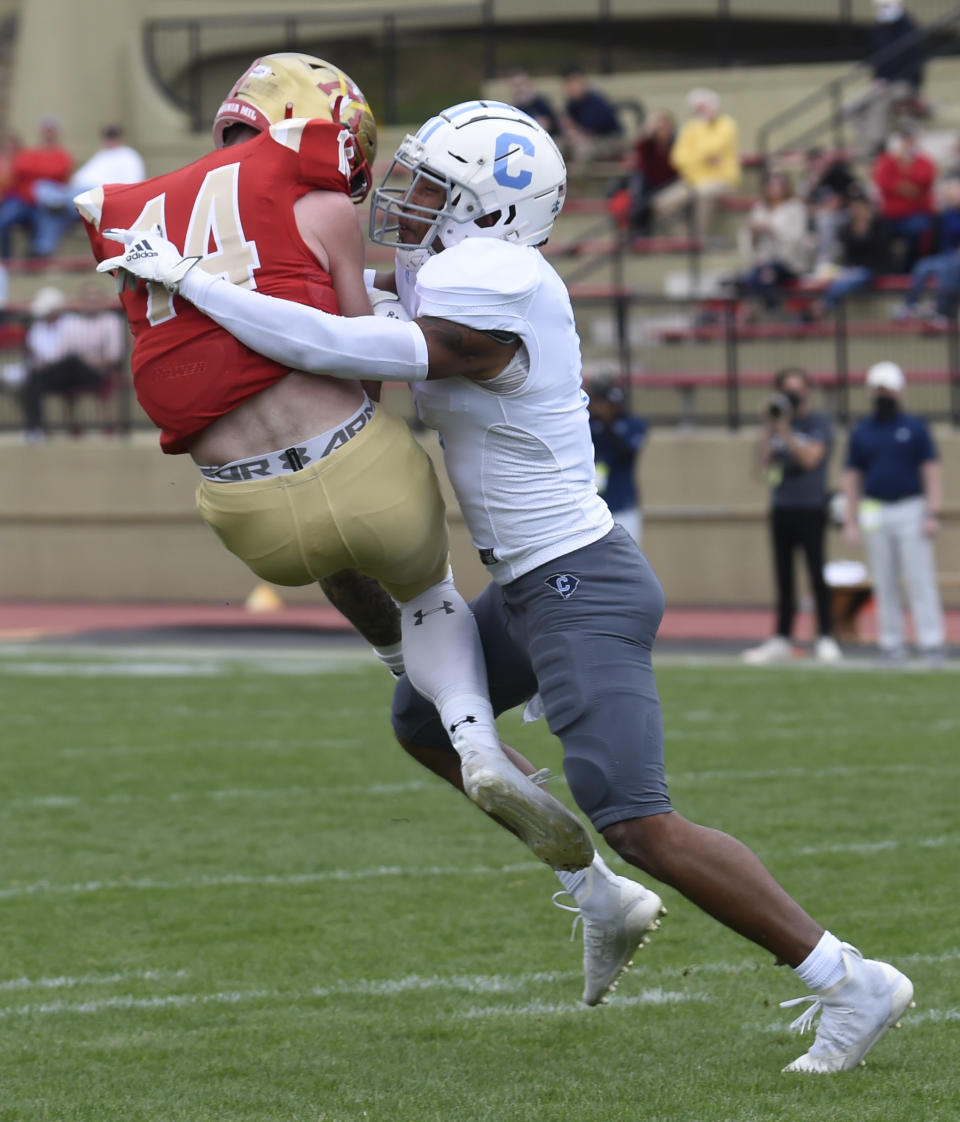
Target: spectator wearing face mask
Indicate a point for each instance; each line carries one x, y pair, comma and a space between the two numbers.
893, 492
793, 450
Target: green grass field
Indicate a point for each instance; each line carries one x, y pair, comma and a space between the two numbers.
226, 895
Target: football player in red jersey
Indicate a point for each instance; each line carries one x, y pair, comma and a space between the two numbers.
303, 477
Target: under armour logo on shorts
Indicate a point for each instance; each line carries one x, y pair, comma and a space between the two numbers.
420, 615
564, 583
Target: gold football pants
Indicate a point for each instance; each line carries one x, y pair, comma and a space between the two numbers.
374, 505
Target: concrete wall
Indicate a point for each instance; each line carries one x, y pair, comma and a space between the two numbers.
100, 519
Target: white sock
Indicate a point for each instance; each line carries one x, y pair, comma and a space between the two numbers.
575, 883
444, 660
391, 657
824, 966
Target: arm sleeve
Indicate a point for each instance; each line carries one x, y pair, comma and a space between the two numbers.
304, 338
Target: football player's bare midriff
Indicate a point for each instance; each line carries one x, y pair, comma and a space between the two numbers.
292, 410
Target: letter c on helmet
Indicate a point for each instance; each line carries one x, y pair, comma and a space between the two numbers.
507, 143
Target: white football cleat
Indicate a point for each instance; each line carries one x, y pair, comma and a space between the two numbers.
617, 915
775, 649
854, 1013
827, 649
543, 823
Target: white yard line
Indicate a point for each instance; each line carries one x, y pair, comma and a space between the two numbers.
392, 987
148, 661
229, 794
127, 1001
54, 801
294, 880
67, 982
459, 983
539, 1008
230, 880
342, 654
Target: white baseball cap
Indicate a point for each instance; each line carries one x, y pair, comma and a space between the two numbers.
886, 376
46, 301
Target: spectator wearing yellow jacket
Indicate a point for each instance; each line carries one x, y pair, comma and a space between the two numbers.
706, 155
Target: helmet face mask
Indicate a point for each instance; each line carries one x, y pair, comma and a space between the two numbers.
281, 86
479, 161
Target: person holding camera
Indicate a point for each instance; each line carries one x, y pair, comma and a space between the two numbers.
794, 451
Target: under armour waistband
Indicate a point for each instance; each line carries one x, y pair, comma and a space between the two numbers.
286, 460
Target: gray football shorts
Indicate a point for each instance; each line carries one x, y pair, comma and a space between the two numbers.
580, 630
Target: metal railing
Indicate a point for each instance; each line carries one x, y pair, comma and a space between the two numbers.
692, 361
683, 362
178, 49
930, 39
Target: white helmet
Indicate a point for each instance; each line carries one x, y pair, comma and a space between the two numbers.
490, 159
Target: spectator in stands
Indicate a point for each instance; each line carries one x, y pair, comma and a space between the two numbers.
651, 168
892, 486
706, 155
49, 160
590, 126
774, 240
68, 352
618, 439
826, 186
114, 162
943, 266
793, 450
528, 100
904, 177
897, 75
864, 253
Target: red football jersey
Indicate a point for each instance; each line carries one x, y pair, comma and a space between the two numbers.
235, 207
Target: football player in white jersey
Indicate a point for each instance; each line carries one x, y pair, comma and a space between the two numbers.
573, 608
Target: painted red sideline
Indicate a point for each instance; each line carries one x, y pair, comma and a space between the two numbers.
34, 620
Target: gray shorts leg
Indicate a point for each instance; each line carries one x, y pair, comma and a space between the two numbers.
580, 630
590, 619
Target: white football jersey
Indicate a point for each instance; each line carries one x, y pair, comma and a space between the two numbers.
517, 448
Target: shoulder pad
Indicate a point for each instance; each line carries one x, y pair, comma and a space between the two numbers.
482, 271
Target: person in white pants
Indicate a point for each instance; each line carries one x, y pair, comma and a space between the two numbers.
892, 485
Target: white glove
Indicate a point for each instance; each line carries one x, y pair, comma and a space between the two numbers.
387, 304
149, 256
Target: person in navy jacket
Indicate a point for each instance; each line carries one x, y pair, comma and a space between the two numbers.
892, 486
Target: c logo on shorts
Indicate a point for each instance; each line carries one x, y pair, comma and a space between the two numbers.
566, 584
